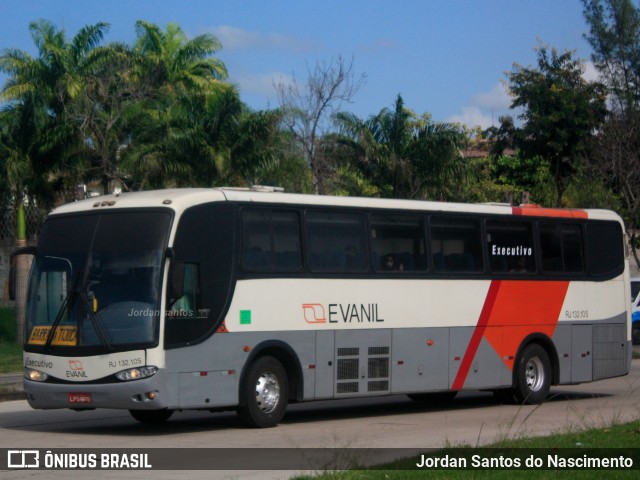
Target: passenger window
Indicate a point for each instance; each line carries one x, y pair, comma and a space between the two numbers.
561, 246
455, 245
572, 248
398, 243
270, 240
605, 251
336, 242
510, 246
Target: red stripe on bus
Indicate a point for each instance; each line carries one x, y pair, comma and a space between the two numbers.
472, 348
512, 311
535, 211
523, 308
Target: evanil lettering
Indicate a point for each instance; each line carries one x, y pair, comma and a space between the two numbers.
354, 312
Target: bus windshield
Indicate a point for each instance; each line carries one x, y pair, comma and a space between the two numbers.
96, 281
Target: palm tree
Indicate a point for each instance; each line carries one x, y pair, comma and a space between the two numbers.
57, 74
404, 155
173, 64
175, 129
55, 81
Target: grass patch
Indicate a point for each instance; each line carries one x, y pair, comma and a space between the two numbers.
7, 324
10, 357
10, 352
625, 436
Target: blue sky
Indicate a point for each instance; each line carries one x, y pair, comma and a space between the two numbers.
445, 57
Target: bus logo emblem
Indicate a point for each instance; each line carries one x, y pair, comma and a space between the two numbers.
75, 365
314, 313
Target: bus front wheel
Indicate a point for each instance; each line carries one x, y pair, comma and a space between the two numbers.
266, 394
534, 376
152, 417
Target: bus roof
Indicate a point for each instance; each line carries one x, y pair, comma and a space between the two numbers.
183, 198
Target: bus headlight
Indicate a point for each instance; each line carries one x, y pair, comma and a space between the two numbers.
35, 375
136, 373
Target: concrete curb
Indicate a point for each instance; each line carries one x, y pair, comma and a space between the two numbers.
11, 388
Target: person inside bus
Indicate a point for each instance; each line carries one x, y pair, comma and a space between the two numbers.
390, 265
520, 266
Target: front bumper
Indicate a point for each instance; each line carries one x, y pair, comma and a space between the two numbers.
132, 395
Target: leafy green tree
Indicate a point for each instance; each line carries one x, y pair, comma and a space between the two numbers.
560, 111
614, 35
404, 155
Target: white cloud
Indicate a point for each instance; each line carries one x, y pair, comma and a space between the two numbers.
496, 99
262, 84
472, 116
234, 38
484, 108
591, 74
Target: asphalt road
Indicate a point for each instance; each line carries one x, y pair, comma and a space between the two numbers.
474, 418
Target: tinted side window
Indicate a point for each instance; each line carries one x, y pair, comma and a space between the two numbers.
204, 243
336, 242
270, 240
551, 247
561, 246
398, 243
510, 245
455, 244
605, 250
572, 251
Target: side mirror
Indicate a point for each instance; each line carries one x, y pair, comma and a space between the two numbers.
13, 271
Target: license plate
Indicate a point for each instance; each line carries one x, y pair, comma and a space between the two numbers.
79, 397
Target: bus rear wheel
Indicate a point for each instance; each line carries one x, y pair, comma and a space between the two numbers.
266, 394
151, 417
534, 376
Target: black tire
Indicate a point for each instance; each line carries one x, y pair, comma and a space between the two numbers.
151, 417
436, 398
635, 333
266, 393
534, 376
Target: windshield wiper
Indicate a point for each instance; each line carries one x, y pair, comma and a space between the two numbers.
56, 322
97, 323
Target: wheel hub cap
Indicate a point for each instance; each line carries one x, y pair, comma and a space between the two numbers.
534, 373
267, 392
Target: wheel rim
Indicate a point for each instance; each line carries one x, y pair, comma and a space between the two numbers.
267, 392
534, 374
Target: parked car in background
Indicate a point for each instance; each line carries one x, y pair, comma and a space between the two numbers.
635, 310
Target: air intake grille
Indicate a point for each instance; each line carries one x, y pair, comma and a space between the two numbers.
348, 368
609, 351
348, 387
379, 386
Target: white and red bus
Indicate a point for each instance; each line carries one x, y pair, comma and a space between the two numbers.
223, 298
